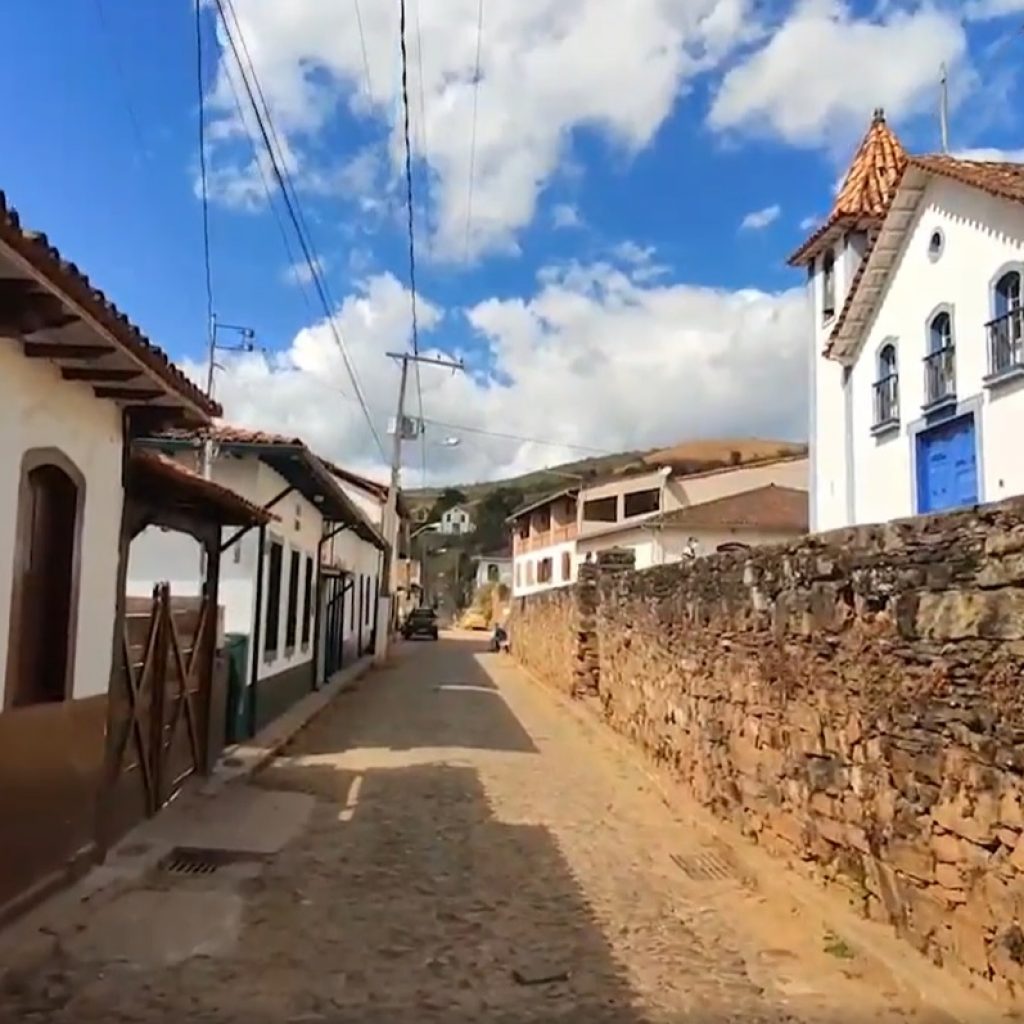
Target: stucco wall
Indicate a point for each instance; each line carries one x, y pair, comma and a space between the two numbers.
851, 700
554, 552
981, 236
39, 409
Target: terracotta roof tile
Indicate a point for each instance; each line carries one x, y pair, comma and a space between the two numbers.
765, 508
869, 185
64, 276
233, 508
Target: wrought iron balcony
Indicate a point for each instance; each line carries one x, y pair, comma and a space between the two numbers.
940, 377
887, 402
1006, 344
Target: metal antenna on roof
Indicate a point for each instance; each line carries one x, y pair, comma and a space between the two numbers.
944, 107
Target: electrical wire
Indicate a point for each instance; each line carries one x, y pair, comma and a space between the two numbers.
268, 132
122, 76
472, 134
362, 45
411, 224
423, 105
202, 163
289, 251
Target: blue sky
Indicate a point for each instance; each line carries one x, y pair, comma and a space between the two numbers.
616, 163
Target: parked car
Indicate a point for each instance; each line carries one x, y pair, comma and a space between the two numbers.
421, 622
473, 618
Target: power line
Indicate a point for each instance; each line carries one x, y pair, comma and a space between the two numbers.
362, 45
411, 227
472, 134
263, 119
423, 105
119, 70
289, 251
202, 164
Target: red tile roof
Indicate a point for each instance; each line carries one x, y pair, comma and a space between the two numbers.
869, 185
770, 508
67, 279
227, 507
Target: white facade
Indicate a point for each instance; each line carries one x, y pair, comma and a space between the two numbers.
494, 570
157, 556
866, 473
456, 521
41, 410
530, 569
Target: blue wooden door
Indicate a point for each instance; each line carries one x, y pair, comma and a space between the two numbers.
947, 469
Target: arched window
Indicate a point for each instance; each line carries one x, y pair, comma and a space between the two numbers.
1006, 331
940, 363
828, 284
44, 594
887, 391
1007, 294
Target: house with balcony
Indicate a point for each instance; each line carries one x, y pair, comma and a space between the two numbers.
646, 511
544, 543
917, 375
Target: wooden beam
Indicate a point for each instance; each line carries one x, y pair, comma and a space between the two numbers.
100, 374
60, 350
128, 394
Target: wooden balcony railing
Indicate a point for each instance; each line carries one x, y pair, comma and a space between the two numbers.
556, 535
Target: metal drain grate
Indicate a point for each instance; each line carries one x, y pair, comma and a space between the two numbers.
704, 866
197, 860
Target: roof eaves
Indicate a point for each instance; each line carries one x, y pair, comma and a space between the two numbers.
565, 492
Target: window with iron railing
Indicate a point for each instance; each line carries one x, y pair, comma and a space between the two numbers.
1006, 331
887, 388
940, 363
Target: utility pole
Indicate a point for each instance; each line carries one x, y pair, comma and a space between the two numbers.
391, 508
212, 346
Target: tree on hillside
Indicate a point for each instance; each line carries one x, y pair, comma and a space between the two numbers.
489, 518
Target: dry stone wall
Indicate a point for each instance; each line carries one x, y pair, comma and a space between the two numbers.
855, 699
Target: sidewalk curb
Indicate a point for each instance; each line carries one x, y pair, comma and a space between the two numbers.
242, 760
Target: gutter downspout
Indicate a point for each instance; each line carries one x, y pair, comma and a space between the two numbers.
257, 630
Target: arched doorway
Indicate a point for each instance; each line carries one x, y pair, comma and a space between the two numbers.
44, 595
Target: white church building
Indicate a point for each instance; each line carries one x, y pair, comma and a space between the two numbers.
917, 375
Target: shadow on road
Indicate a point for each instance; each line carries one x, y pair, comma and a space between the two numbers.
422, 906
437, 695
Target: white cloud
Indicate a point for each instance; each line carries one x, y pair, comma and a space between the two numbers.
548, 67
1011, 156
757, 220
301, 274
981, 10
818, 78
566, 215
594, 357
809, 222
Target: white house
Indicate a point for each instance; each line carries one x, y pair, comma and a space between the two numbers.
300, 593
456, 521
493, 569
646, 510
78, 382
544, 543
918, 333
764, 515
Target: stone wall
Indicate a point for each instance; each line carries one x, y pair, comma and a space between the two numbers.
543, 635
855, 699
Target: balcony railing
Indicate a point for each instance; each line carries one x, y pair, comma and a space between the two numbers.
1006, 343
887, 402
545, 538
940, 376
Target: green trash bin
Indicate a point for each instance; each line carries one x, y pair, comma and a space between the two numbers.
236, 648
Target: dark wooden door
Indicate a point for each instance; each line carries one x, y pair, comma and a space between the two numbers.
45, 586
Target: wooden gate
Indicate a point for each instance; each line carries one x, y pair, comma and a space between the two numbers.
160, 705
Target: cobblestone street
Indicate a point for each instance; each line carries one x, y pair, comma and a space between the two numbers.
476, 852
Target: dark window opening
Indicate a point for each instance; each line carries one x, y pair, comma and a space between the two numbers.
601, 510
887, 392
542, 519
270, 644
307, 618
523, 527
566, 567
292, 622
1006, 331
828, 284
44, 599
544, 570
352, 606
639, 503
940, 363
493, 573
369, 599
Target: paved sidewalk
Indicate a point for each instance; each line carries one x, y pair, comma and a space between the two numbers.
454, 845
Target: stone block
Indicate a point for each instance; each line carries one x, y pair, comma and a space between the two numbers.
968, 614
947, 848
950, 876
972, 817
912, 858
970, 943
